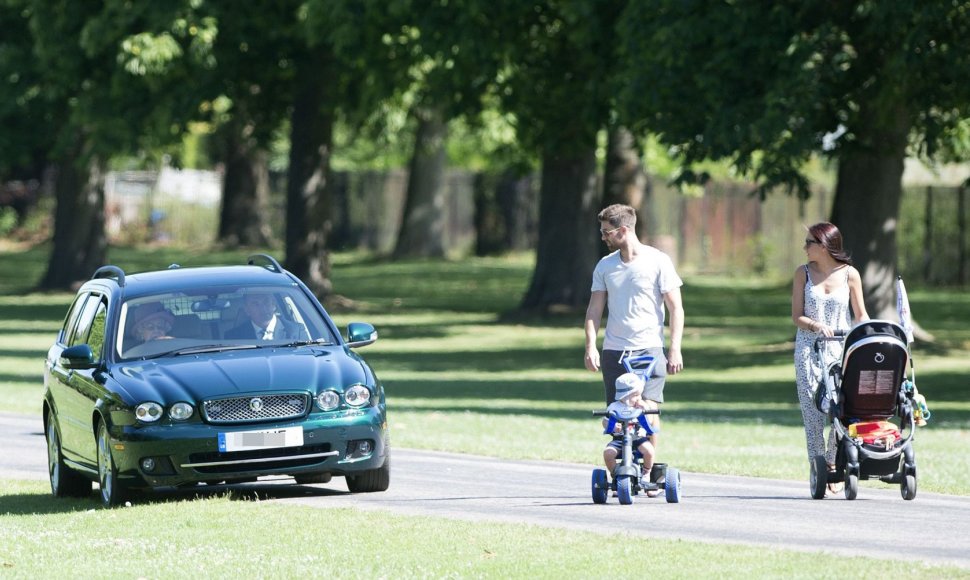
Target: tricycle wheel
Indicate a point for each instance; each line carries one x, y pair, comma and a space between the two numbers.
623, 490
601, 486
672, 485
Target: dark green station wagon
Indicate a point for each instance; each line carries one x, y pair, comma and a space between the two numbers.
209, 375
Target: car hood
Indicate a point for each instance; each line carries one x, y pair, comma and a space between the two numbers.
216, 375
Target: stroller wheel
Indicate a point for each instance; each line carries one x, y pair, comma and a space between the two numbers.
851, 486
908, 487
818, 478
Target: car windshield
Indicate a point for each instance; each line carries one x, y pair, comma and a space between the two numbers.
212, 319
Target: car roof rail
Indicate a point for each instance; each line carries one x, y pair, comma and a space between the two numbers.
269, 262
110, 272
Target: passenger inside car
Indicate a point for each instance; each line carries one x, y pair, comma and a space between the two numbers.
263, 322
151, 321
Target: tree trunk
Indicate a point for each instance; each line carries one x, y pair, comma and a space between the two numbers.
490, 232
866, 207
422, 233
625, 181
962, 235
245, 192
928, 237
518, 203
307, 201
567, 252
80, 244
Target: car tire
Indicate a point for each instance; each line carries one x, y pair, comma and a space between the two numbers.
371, 480
311, 478
112, 491
65, 482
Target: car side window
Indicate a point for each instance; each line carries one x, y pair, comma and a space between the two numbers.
85, 321
67, 331
96, 336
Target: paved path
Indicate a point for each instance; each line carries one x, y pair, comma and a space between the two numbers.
933, 528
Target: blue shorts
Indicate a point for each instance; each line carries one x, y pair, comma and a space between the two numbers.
612, 368
618, 444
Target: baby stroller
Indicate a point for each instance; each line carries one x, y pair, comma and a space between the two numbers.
861, 394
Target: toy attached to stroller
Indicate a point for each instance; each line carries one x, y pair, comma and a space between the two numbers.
627, 481
861, 394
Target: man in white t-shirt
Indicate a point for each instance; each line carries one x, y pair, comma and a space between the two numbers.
635, 282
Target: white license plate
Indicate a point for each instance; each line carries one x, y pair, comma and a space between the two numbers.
266, 439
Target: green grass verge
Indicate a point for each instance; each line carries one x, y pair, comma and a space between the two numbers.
42, 537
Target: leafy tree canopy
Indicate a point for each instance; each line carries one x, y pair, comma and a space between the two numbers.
766, 84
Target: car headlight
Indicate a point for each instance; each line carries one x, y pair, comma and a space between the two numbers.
181, 411
357, 396
148, 412
328, 400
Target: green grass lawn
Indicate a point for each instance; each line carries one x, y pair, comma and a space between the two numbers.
465, 373
42, 537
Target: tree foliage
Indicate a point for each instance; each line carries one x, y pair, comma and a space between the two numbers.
768, 84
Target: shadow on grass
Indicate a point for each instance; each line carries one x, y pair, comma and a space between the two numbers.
782, 417
710, 358
570, 391
45, 503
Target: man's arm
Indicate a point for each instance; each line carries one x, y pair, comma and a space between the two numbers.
594, 315
675, 308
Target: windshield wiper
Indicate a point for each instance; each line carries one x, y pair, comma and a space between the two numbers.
314, 342
201, 349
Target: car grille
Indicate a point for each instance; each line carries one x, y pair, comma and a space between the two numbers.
282, 458
256, 408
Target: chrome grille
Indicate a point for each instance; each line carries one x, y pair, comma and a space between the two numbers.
256, 408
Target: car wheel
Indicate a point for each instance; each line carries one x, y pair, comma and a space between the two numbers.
112, 491
371, 480
64, 480
311, 478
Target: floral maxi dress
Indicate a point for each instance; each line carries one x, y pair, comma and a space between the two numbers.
831, 310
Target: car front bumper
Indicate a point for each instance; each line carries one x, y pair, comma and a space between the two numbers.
189, 453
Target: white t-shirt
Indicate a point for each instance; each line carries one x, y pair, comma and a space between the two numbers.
634, 297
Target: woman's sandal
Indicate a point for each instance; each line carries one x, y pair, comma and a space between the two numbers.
834, 487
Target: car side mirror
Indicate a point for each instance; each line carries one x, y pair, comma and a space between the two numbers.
78, 356
360, 334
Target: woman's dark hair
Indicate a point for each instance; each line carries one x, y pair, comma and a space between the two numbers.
830, 238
